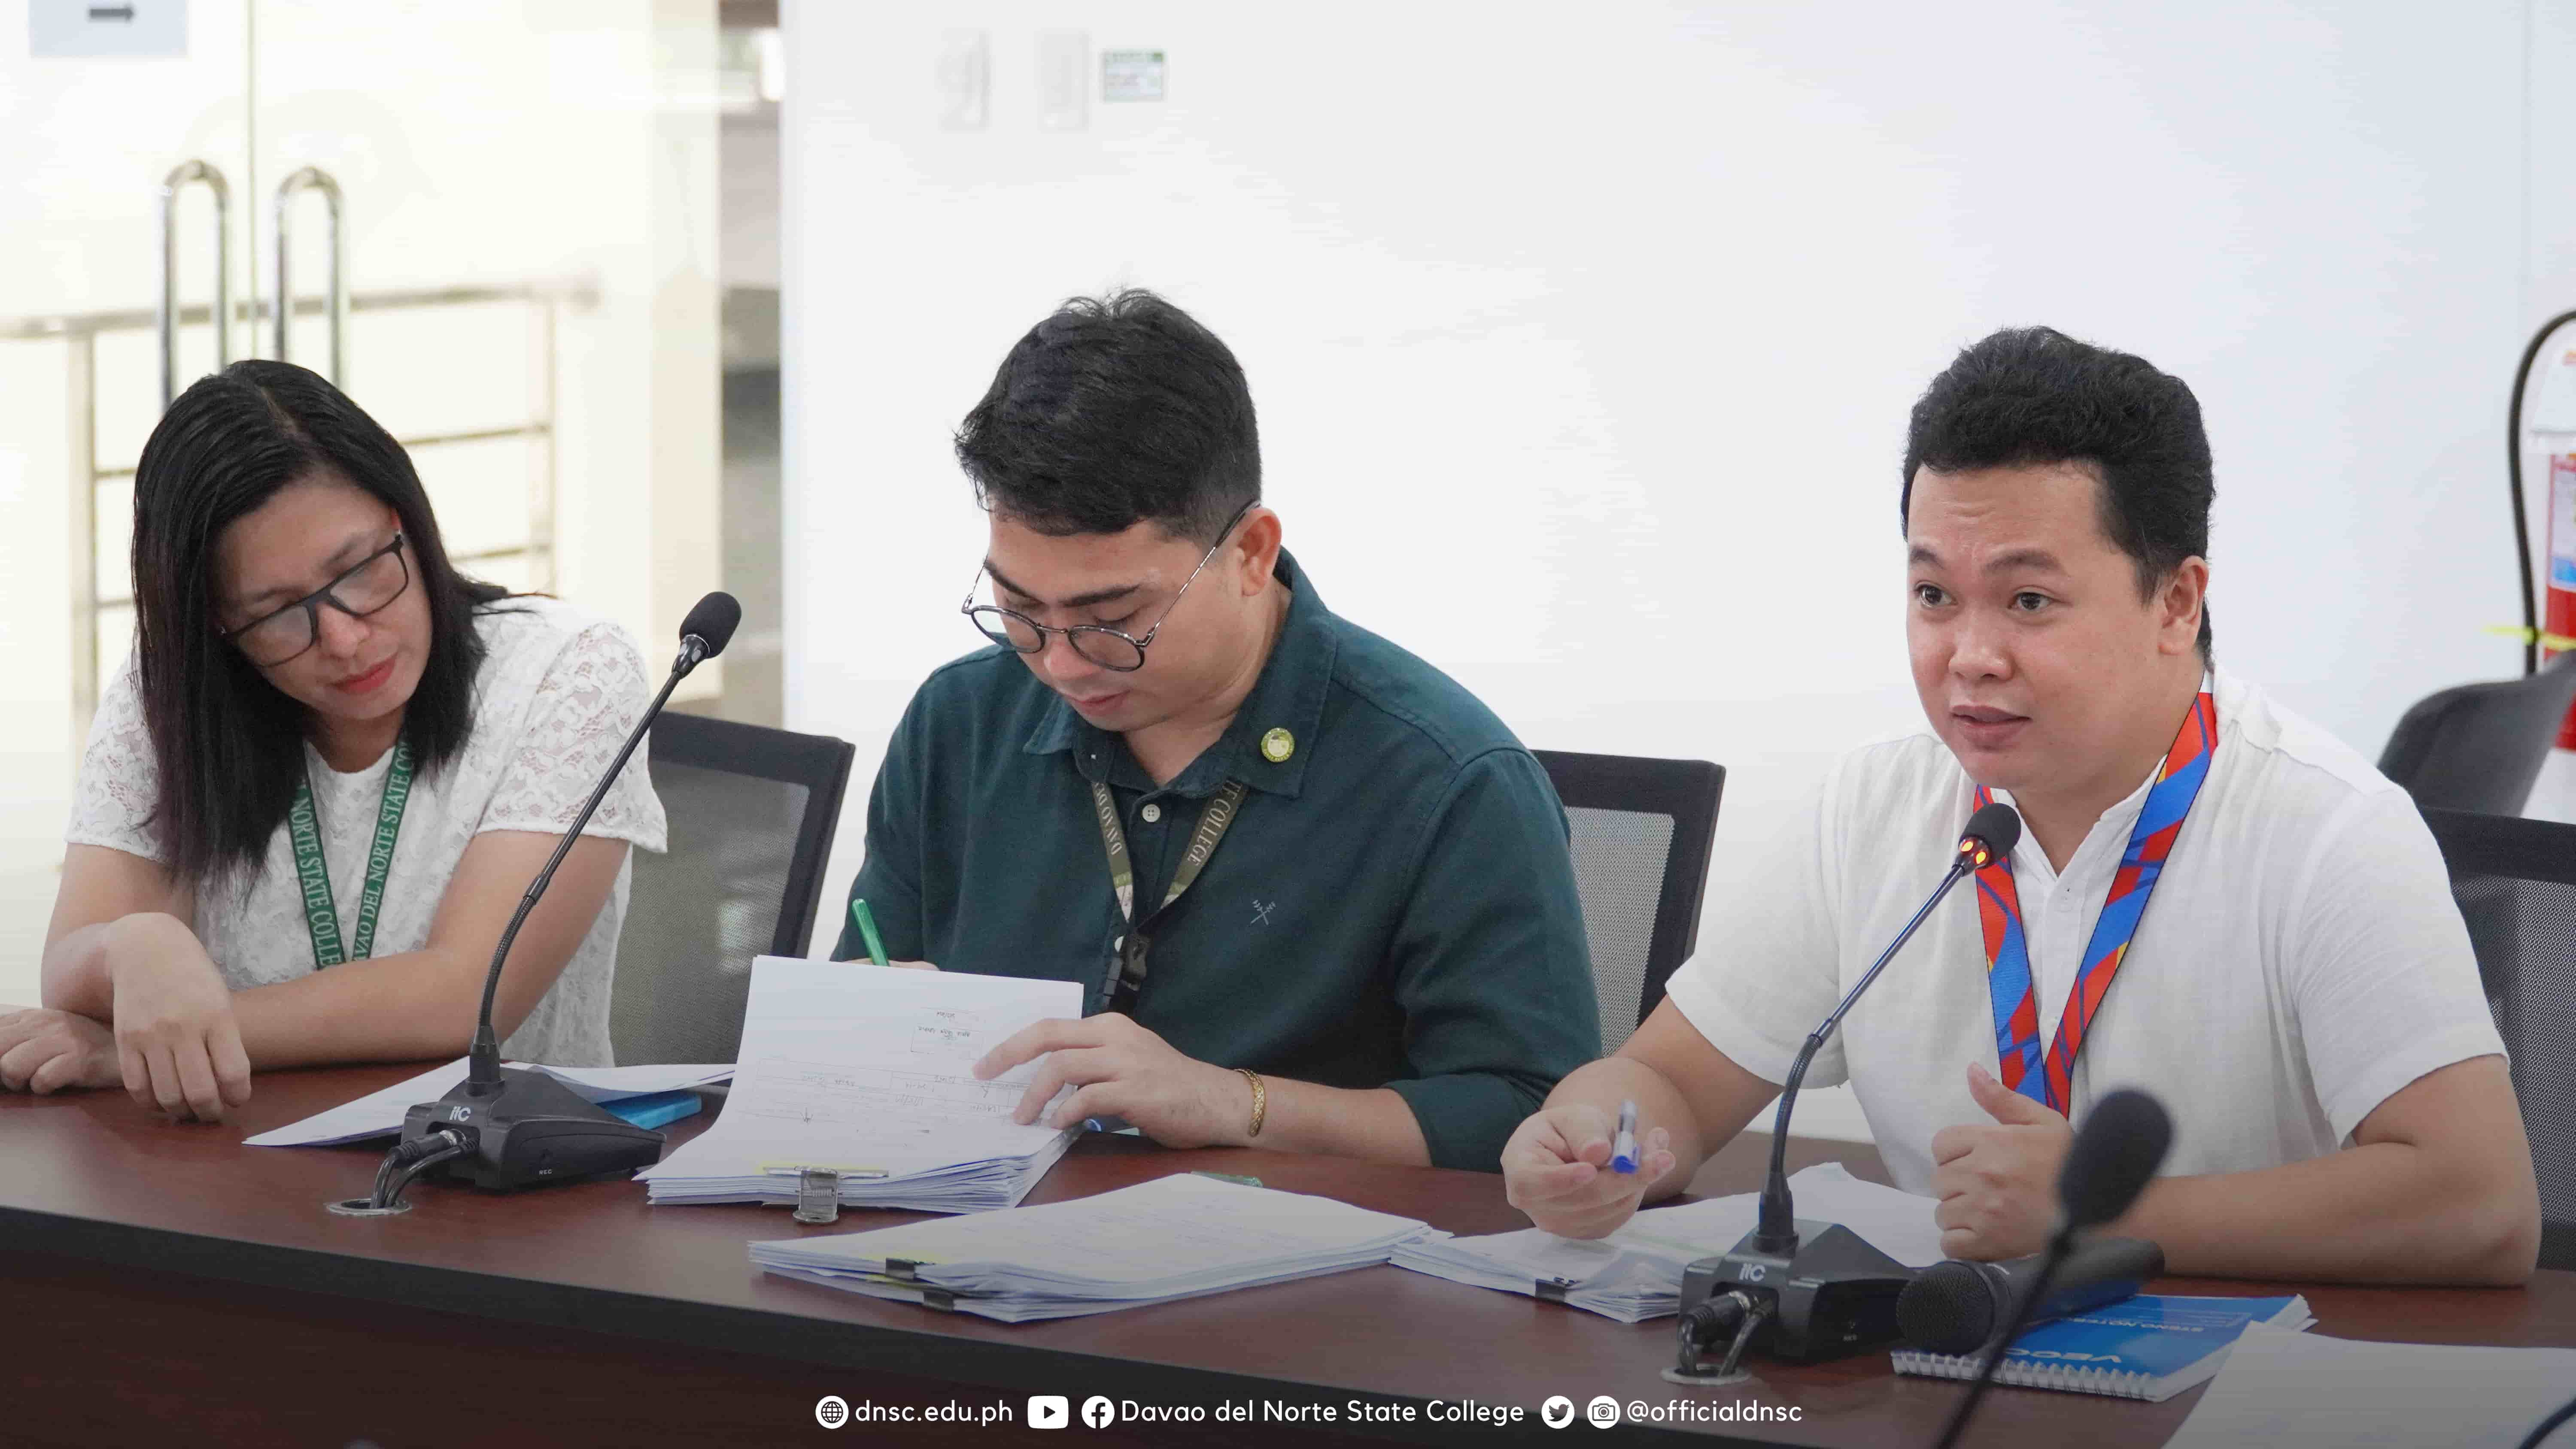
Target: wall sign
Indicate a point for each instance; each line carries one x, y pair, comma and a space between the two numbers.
123, 29
1131, 75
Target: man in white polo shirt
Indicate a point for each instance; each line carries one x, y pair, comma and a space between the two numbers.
2260, 922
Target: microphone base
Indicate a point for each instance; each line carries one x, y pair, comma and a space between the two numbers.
531, 1132
1831, 1295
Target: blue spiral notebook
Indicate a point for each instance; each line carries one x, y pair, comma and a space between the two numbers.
2148, 1347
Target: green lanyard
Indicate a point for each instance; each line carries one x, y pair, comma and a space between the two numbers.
321, 914
1127, 974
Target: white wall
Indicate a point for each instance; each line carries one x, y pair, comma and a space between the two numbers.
1583, 337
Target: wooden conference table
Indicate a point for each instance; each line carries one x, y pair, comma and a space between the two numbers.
162, 1283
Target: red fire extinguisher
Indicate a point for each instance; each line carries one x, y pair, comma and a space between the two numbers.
2549, 610
2558, 620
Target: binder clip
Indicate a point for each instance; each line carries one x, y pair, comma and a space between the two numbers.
818, 1195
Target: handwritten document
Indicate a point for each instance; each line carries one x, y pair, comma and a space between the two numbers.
869, 1071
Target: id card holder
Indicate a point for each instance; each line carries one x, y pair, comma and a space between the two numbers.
1108, 989
1111, 978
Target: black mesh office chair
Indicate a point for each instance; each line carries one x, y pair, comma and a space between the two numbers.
2515, 880
753, 812
2479, 746
1641, 831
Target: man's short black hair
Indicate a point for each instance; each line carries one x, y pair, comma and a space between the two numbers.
2030, 396
1114, 411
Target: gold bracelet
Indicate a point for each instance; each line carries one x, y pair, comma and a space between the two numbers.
1260, 1100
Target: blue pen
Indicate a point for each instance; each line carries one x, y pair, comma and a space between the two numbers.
1623, 1148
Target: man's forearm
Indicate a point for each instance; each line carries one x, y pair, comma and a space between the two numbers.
1607, 1083
2386, 1212
1376, 1123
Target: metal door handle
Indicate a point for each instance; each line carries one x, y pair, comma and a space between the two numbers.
180, 176
315, 178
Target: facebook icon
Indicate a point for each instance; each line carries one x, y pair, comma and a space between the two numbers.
1097, 1411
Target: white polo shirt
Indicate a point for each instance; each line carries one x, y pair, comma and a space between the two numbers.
2300, 961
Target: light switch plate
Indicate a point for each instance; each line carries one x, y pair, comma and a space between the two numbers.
965, 78
1064, 79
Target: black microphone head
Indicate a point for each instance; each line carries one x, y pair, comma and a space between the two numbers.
1991, 834
1951, 1307
713, 621
2115, 1154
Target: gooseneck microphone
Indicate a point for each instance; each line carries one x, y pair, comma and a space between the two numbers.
2541, 1431
2114, 1156
703, 635
504, 1128
1805, 1291
1991, 835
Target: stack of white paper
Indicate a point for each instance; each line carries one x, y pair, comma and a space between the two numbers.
380, 1114
1636, 1273
2302, 1389
1179, 1236
869, 1071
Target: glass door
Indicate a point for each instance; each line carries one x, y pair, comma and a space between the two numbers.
494, 224
528, 234
128, 179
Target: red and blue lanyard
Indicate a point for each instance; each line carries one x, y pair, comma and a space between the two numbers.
2008, 976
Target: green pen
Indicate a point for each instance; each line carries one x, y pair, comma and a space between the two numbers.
868, 930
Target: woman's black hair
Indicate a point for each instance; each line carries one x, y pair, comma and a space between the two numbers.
228, 745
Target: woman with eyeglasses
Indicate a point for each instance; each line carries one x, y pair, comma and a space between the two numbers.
309, 806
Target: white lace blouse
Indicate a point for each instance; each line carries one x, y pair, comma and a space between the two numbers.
557, 693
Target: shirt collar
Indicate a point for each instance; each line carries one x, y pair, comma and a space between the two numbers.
2110, 832
1276, 732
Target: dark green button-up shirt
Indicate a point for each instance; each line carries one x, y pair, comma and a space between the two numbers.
1393, 906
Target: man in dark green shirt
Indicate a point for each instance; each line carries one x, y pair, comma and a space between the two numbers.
1318, 897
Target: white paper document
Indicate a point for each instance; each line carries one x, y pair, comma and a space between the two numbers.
2308, 1391
869, 1071
380, 1114
1636, 1273
1178, 1236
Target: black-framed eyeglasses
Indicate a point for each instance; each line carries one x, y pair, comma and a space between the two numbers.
1109, 648
364, 588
